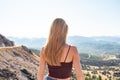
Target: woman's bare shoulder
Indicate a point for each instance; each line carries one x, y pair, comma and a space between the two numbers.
74, 50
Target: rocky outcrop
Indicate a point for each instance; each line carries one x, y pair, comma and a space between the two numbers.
26, 49
5, 74
18, 63
5, 42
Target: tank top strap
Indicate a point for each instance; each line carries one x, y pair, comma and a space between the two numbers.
67, 53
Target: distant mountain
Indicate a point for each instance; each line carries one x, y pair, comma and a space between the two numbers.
108, 38
99, 44
103, 44
36, 43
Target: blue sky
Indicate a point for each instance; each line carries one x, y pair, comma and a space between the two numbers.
32, 18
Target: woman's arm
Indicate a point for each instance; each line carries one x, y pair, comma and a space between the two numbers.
77, 64
42, 66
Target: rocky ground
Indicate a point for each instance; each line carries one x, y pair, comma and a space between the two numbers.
18, 63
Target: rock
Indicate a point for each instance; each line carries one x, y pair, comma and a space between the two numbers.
28, 74
26, 49
4, 42
7, 74
117, 74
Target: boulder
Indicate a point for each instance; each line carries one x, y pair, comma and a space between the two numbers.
4, 42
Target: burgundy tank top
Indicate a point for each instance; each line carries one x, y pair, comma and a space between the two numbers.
63, 71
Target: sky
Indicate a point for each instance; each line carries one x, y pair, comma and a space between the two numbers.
32, 18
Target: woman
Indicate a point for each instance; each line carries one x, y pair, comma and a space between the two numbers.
59, 56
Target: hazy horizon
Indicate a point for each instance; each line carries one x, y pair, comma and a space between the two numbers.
27, 18
67, 36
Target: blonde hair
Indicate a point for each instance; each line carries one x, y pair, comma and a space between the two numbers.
56, 42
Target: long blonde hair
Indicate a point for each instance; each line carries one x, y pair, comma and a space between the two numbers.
56, 42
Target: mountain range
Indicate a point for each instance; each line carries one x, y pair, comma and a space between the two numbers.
96, 44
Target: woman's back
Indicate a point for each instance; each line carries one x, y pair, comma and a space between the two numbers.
67, 56
63, 71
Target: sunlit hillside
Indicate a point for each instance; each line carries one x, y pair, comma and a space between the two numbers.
18, 63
